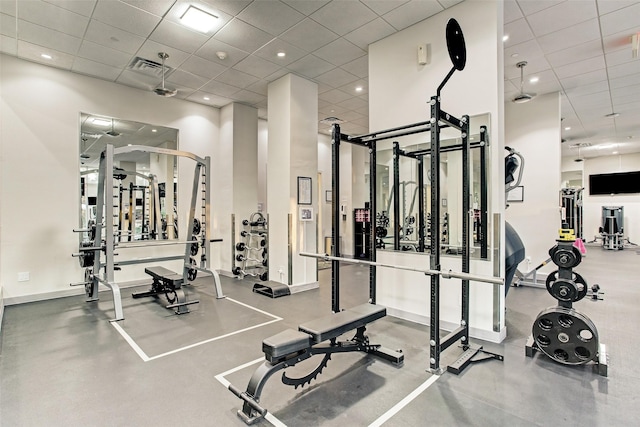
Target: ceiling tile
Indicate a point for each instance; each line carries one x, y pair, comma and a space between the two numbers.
150, 50
214, 100
305, 6
584, 79
518, 32
157, 7
178, 36
202, 67
32, 52
412, 12
626, 69
271, 49
626, 95
112, 37
232, 7
381, 7
369, 33
620, 41
256, 66
620, 20
8, 7
350, 116
309, 35
275, 76
529, 7
271, 16
186, 79
630, 80
511, 11
571, 36
561, 16
342, 17
125, 17
236, 78
590, 101
334, 95
48, 38
576, 53
95, 69
209, 49
310, 66
336, 77
239, 34
350, 87
180, 7
608, 6
8, 45
580, 67
248, 97
331, 109
353, 103
526, 51
596, 87
339, 52
104, 55
619, 57
219, 88
534, 66
261, 87
358, 67
7, 25
50, 16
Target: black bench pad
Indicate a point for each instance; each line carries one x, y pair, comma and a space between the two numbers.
284, 343
333, 326
167, 276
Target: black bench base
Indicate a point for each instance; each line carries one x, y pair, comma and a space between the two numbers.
290, 347
272, 289
169, 283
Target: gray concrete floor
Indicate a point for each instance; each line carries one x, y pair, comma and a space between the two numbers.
63, 363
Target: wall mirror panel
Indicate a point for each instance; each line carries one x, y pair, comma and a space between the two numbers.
397, 208
145, 184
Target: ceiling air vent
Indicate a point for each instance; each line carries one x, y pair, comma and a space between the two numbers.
580, 145
149, 67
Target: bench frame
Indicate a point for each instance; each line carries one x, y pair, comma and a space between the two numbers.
167, 282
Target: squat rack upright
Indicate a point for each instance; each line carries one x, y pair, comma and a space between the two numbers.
439, 119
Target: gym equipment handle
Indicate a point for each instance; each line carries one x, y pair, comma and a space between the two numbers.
250, 400
445, 274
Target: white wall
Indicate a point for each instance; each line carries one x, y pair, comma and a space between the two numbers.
399, 92
533, 129
324, 166
39, 137
592, 205
262, 163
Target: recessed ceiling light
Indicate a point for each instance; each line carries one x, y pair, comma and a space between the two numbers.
154, 130
46, 56
615, 152
281, 54
129, 145
221, 55
206, 98
567, 128
199, 20
534, 79
612, 115
101, 122
359, 89
505, 37
515, 55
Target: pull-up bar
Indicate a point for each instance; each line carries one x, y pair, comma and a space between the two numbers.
447, 274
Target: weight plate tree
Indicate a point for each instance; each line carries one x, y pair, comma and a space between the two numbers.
561, 332
252, 252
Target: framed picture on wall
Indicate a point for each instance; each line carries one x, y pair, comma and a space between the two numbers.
304, 190
306, 214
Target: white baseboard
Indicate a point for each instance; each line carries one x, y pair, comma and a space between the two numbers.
301, 287
73, 291
481, 334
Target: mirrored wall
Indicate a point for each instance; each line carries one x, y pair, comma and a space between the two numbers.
398, 207
145, 185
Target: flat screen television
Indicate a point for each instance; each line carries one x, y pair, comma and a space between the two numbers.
614, 183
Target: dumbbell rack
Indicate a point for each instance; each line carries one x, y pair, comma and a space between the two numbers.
561, 332
252, 252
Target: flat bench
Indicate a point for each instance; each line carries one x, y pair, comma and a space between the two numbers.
290, 347
169, 283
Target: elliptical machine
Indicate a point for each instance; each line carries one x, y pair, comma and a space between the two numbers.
514, 252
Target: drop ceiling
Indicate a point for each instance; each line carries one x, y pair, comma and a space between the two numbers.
580, 48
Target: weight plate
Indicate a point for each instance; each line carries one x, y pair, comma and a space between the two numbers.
196, 226
194, 246
455, 45
566, 257
264, 276
566, 290
88, 281
566, 336
192, 273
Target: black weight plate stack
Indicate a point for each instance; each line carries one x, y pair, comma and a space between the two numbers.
566, 336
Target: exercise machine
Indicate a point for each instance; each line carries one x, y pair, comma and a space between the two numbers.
612, 229
104, 240
252, 250
514, 248
561, 332
571, 210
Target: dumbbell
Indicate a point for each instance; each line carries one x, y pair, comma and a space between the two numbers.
241, 246
236, 270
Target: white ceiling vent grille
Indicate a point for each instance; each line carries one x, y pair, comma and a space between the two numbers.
580, 145
149, 67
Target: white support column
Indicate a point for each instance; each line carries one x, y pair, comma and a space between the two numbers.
292, 153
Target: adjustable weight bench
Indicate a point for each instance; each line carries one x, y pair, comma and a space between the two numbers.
169, 283
291, 347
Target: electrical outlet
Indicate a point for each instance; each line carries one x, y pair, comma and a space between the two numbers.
23, 276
